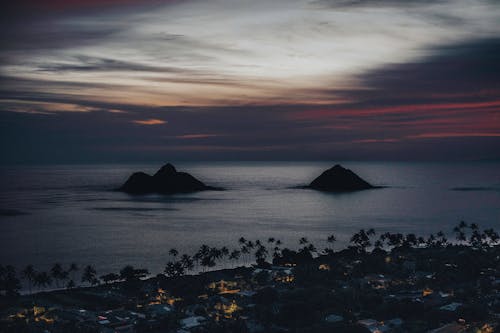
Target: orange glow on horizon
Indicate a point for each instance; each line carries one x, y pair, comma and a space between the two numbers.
151, 121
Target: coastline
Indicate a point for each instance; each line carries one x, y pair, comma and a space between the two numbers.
364, 288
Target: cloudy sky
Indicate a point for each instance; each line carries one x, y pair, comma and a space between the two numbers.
124, 80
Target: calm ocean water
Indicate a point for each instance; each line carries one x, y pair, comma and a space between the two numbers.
69, 213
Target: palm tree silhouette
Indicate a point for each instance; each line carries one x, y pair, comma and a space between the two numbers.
42, 280
187, 262
58, 273
90, 275
261, 253
331, 240
71, 284
73, 268
9, 283
235, 255
29, 274
173, 252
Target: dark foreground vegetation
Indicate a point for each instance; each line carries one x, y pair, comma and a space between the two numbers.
380, 283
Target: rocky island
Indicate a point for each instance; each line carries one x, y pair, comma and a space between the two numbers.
339, 179
167, 180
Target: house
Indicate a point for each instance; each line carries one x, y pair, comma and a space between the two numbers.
379, 327
158, 310
449, 328
191, 322
246, 293
333, 318
370, 324
451, 307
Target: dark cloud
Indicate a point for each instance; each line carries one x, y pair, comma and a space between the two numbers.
95, 64
461, 71
235, 133
31, 33
464, 72
47, 25
374, 3
444, 106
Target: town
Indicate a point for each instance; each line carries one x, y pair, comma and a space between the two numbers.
380, 283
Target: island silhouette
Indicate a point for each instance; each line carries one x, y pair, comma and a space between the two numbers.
339, 179
167, 180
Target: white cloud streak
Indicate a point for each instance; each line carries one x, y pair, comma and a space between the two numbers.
223, 52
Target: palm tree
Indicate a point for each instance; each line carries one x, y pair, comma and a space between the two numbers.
431, 240
9, 283
187, 262
276, 252
170, 270
410, 240
442, 239
460, 233
245, 250
111, 277
476, 239
394, 240
261, 253
331, 240
224, 251
58, 273
209, 256
311, 248
29, 274
42, 280
73, 268
173, 252
71, 284
202, 252
217, 254
174, 269
90, 275
492, 236
361, 239
235, 255
129, 273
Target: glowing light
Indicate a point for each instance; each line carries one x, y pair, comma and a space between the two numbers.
227, 309
285, 279
427, 292
224, 287
486, 328
151, 121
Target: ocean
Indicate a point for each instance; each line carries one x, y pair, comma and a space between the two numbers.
70, 213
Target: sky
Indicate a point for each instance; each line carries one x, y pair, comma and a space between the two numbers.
125, 80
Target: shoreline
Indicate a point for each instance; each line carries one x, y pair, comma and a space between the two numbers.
358, 289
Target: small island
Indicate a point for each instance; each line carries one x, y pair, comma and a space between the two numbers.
339, 179
167, 180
